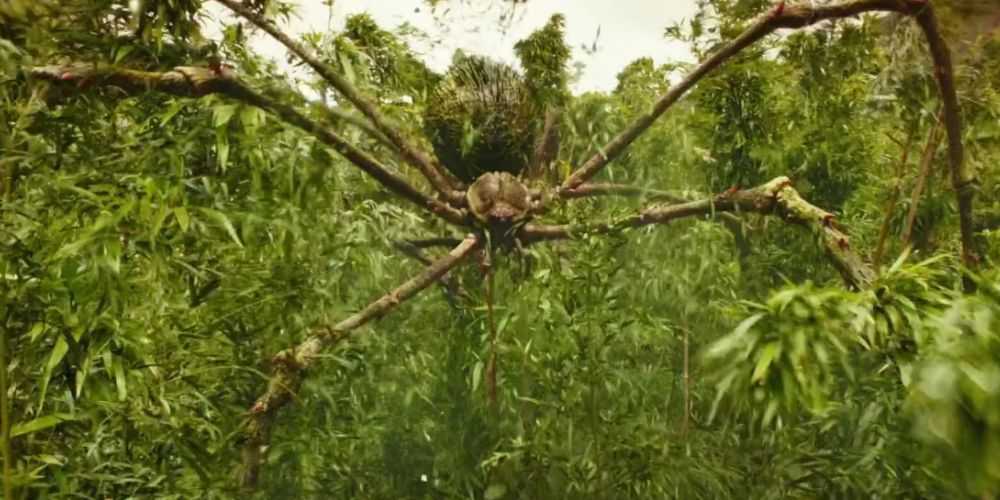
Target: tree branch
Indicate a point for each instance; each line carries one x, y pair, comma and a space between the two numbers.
190, 81
890, 203
777, 197
439, 178
289, 366
963, 176
926, 160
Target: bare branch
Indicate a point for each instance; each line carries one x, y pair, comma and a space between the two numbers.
890, 204
780, 17
777, 197
190, 81
926, 160
442, 181
289, 366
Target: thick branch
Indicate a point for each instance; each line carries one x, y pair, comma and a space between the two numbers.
963, 175
777, 197
289, 366
438, 177
781, 17
189, 81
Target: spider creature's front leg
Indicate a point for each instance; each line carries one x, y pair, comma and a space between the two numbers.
289, 366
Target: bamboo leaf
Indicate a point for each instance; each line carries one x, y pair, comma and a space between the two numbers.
183, 218
39, 424
221, 219
55, 357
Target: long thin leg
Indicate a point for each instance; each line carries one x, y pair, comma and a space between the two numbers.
197, 82
546, 147
438, 177
780, 17
592, 189
289, 366
964, 180
777, 197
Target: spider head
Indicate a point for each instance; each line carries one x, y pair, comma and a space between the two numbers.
499, 200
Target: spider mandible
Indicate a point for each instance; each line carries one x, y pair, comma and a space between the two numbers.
497, 206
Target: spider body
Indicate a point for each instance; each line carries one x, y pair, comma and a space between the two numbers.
498, 199
501, 203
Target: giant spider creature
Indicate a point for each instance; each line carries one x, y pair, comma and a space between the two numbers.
495, 206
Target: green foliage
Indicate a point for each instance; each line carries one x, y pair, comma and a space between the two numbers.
545, 56
790, 354
955, 389
387, 59
807, 351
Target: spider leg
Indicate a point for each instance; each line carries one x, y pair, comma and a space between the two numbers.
443, 182
964, 179
797, 17
187, 81
776, 197
289, 366
590, 189
733, 222
430, 242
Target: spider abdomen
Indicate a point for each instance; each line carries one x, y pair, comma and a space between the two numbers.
481, 119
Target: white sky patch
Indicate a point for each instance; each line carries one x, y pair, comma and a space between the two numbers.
629, 29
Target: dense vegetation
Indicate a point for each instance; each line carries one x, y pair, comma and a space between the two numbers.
158, 250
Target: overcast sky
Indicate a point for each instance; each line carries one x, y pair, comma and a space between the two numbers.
629, 29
